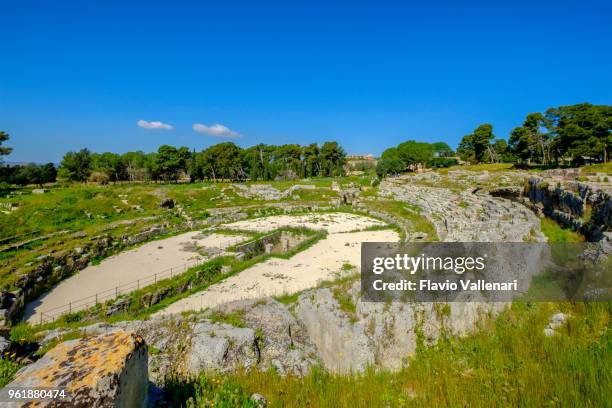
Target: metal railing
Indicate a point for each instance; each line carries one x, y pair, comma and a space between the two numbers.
100, 297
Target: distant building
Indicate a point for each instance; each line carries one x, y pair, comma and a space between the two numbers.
357, 164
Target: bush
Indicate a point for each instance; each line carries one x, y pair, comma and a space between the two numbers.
98, 177
440, 162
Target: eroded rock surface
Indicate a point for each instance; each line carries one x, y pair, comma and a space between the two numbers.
269, 337
381, 334
108, 370
464, 215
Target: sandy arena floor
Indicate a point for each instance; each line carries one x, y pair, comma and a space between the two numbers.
138, 263
322, 261
331, 222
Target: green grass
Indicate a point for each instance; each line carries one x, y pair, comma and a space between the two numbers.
598, 168
234, 318
288, 298
491, 167
555, 233
509, 362
411, 214
8, 368
463, 204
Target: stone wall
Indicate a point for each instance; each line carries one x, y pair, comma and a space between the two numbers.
257, 247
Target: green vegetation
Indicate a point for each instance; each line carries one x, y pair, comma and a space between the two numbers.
598, 168
410, 154
8, 368
509, 362
234, 318
223, 161
573, 132
345, 301
490, 167
477, 148
410, 214
208, 391
555, 233
567, 133
288, 298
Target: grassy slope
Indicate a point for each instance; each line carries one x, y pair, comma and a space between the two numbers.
555, 233
598, 168
478, 167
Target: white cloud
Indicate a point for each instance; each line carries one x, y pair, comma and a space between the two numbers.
215, 130
154, 125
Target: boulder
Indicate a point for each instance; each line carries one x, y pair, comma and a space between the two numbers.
221, 348
283, 343
557, 320
109, 370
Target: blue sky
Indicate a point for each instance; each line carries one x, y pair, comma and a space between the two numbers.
368, 74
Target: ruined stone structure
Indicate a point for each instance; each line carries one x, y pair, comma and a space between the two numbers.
108, 370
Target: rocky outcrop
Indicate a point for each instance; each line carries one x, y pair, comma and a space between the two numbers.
220, 347
282, 341
108, 370
582, 206
264, 335
381, 334
467, 215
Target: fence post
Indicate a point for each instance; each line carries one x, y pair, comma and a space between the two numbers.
116, 292
155, 281
69, 307
138, 284
40, 317
96, 298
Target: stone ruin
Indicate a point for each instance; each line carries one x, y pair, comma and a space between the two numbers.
107, 370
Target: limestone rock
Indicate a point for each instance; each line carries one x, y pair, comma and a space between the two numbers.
381, 334
109, 370
283, 343
557, 320
342, 346
221, 347
259, 400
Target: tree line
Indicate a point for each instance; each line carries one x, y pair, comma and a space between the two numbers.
411, 154
567, 134
563, 135
223, 161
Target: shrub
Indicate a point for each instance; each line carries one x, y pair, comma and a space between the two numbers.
441, 162
98, 177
